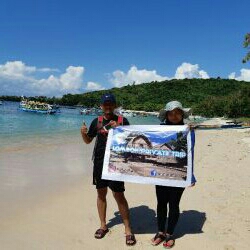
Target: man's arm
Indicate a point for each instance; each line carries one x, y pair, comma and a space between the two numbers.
88, 135
85, 137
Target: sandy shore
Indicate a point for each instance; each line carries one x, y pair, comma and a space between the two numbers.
215, 214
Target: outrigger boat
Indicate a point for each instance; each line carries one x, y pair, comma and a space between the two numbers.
36, 107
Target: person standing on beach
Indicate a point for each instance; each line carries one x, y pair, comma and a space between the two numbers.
171, 196
99, 128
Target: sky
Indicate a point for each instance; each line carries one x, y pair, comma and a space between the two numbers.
58, 47
120, 136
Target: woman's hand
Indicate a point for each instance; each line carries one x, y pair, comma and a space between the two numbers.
192, 126
192, 185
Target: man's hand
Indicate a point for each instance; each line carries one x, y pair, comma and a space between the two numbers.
113, 124
84, 129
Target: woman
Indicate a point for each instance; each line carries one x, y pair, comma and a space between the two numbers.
171, 196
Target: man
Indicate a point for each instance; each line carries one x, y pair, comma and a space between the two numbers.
99, 128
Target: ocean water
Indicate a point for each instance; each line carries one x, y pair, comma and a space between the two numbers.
18, 127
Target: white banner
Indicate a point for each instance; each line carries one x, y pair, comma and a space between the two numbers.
150, 154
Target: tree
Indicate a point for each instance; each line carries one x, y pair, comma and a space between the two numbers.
246, 45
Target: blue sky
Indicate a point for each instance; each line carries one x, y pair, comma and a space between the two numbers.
160, 138
56, 47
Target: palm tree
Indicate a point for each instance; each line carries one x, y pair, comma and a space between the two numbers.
246, 45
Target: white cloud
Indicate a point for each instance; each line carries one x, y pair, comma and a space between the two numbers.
134, 75
48, 70
16, 68
72, 78
94, 86
244, 75
232, 75
137, 76
16, 78
188, 70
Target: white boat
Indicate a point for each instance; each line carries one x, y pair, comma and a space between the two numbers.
127, 114
1, 102
85, 111
90, 111
22, 104
123, 112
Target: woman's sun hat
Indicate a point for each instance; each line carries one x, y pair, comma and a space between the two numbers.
169, 107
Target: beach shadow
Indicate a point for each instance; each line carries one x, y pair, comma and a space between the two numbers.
190, 222
143, 221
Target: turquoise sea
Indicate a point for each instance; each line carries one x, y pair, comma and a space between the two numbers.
17, 126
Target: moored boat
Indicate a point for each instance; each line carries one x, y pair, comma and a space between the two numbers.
231, 126
90, 111
36, 107
123, 112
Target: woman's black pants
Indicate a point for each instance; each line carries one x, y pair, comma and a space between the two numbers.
170, 196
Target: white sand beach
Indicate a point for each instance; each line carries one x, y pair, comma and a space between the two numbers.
53, 206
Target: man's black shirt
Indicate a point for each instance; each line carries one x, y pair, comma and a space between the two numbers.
101, 139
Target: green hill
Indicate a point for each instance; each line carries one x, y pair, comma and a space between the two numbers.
209, 97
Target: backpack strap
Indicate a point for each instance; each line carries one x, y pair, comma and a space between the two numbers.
99, 126
99, 122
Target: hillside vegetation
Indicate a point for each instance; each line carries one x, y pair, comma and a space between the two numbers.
208, 97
